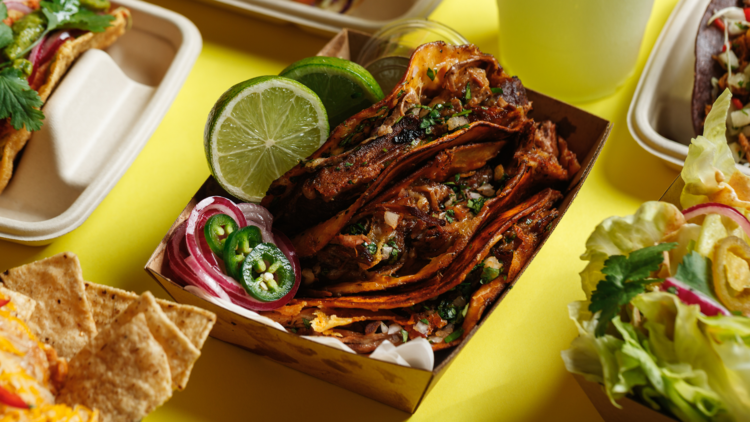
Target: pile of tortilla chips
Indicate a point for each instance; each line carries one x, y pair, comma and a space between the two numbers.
126, 353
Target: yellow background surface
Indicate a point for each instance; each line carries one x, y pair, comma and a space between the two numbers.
511, 370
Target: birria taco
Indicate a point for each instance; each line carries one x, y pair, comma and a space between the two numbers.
39, 41
419, 211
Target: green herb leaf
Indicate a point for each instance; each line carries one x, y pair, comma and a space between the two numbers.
356, 228
454, 335
67, 14
468, 91
424, 321
463, 113
431, 74
306, 322
497, 91
447, 310
19, 102
348, 164
695, 271
404, 336
475, 205
625, 278
371, 248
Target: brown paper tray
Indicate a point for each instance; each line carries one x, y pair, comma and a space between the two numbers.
394, 385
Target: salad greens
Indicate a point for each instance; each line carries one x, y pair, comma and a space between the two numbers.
643, 341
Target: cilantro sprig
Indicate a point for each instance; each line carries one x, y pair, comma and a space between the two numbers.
695, 272
18, 101
625, 278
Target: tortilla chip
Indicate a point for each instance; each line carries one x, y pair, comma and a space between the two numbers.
108, 302
20, 306
180, 352
62, 317
124, 374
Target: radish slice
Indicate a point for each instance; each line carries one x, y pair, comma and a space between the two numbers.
709, 307
19, 6
721, 209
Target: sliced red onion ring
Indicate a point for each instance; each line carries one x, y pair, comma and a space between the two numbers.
206, 260
180, 264
259, 216
46, 50
709, 307
19, 6
721, 209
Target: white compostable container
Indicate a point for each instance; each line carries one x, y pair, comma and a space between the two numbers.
659, 117
98, 119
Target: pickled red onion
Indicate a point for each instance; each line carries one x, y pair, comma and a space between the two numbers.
259, 216
179, 263
721, 209
19, 6
205, 264
709, 307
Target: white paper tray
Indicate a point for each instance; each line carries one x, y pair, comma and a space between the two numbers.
97, 121
369, 16
659, 116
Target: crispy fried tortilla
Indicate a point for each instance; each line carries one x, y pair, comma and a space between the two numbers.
12, 141
62, 317
124, 373
460, 79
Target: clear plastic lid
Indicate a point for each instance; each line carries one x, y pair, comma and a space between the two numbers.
386, 55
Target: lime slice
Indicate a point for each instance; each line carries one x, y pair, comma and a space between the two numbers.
344, 87
258, 130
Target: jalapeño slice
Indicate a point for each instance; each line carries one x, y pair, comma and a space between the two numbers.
217, 230
236, 248
267, 274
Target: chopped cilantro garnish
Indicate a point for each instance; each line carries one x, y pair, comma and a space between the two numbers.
449, 215
306, 322
348, 164
356, 228
625, 278
672, 290
398, 120
463, 113
475, 205
385, 149
497, 91
424, 321
430, 73
468, 91
447, 310
371, 248
454, 335
404, 335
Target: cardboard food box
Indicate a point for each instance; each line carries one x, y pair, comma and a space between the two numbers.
397, 386
632, 410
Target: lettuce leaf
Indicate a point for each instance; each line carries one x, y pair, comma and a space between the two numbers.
709, 173
680, 361
623, 235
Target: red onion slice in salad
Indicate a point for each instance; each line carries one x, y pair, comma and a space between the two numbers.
721, 209
19, 6
709, 307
